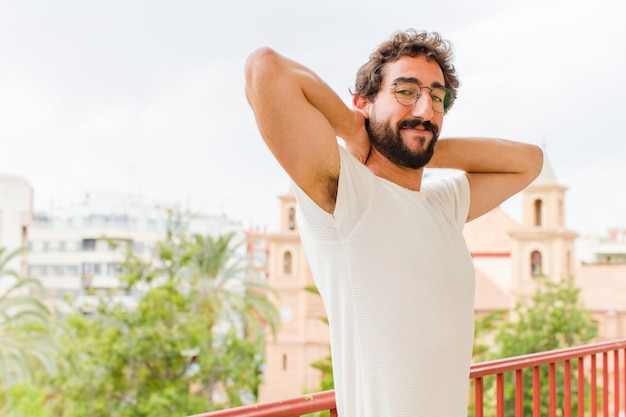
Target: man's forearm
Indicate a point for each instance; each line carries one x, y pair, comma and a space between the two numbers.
482, 155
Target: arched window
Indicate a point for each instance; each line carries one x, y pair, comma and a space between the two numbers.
536, 268
568, 269
292, 219
287, 262
538, 212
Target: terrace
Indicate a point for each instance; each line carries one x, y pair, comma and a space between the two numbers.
587, 380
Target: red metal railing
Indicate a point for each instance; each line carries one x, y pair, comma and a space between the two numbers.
606, 393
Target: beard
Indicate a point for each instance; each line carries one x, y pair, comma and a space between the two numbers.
389, 142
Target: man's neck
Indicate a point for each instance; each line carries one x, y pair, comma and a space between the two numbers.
405, 177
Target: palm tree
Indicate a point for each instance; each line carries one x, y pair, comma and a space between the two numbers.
231, 291
233, 299
225, 294
26, 329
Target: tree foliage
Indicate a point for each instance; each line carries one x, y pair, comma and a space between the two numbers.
190, 343
27, 331
553, 318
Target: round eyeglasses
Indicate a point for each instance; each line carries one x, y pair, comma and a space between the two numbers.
408, 92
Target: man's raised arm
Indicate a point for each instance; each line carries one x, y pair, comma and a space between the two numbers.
496, 168
299, 117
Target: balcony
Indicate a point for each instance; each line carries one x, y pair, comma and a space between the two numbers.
579, 381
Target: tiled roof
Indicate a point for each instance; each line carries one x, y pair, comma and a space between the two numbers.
488, 234
488, 296
602, 287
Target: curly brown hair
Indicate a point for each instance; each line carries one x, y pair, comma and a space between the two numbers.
408, 43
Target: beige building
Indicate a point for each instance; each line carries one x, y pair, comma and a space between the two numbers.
507, 256
303, 337
16, 208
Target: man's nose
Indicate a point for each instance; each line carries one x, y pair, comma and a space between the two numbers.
423, 107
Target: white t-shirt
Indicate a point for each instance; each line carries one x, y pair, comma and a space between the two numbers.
397, 281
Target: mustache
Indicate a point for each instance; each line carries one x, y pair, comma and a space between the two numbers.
414, 123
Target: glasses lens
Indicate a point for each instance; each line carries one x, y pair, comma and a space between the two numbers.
406, 93
442, 99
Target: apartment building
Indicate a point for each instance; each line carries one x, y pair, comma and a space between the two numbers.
78, 250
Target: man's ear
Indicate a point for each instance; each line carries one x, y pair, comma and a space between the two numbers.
361, 104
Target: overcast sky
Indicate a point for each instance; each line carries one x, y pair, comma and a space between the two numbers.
147, 96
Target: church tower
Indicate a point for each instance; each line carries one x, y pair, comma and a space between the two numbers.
303, 336
542, 245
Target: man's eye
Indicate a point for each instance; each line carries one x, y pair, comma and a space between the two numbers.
436, 98
404, 92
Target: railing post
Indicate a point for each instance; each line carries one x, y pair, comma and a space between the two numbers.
594, 387
567, 389
519, 393
624, 370
605, 384
581, 387
478, 397
616, 383
500, 395
536, 391
552, 382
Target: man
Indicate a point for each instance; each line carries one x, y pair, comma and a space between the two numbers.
386, 251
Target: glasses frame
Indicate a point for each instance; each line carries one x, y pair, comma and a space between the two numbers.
419, 94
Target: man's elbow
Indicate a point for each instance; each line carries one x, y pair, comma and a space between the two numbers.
261, 64
533, 162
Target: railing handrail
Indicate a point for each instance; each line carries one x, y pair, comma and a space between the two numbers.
542, 358
303, 404
325, 400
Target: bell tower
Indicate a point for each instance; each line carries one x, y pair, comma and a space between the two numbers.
303, 337
542, 245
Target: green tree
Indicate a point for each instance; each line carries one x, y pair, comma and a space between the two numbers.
227, 291
27, 399
27, 330
485, 328
130, 361
227, 287
191, 344
554, 318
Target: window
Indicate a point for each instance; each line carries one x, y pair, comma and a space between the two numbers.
138, 247
114, 269
71, 270
259, 258
292, 219
287, 262
538, 212
89, 244
88, 269
536, 268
